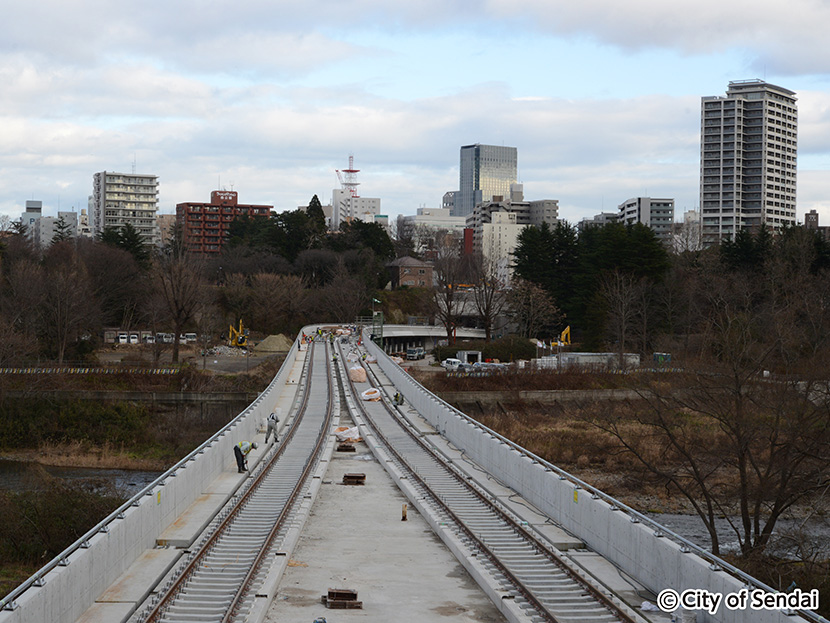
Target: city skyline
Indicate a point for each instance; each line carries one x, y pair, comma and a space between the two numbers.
602, 102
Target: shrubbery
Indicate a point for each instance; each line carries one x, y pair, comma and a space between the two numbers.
40, 523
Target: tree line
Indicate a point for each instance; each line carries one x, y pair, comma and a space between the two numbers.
277, 274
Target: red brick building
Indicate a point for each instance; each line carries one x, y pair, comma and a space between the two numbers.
205, 225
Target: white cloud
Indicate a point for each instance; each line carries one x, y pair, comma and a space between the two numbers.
196, 90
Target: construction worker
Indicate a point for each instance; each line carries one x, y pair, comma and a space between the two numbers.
240, 451
272, 421
398, 399
334, 358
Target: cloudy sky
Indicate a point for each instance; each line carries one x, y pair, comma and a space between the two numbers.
601, 97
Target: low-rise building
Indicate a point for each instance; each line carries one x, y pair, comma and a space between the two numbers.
410, 272
811, 223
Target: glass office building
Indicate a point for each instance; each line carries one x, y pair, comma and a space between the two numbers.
486, 171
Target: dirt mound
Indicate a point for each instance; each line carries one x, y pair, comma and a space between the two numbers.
274, 344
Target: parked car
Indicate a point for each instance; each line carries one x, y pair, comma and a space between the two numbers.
123, 338
149, 339
190, 337
133, 338
451, 365
415, 353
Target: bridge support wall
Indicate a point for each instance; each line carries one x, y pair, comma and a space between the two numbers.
610, 529
101, 556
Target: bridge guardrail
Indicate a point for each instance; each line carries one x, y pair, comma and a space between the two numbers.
426, 401
39, 579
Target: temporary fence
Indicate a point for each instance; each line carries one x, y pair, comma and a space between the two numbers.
78, 370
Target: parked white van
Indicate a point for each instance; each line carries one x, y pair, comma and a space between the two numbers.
190, 337
451, 365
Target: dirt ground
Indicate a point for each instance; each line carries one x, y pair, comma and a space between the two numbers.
224, 364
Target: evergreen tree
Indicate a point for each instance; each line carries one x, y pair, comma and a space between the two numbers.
315, 213
63, 231
129, 239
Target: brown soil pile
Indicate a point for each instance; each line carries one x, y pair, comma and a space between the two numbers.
274, 344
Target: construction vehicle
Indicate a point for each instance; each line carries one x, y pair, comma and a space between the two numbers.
565, 337
238, 337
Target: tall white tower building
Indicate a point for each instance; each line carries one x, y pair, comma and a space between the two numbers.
748, 157
121, 198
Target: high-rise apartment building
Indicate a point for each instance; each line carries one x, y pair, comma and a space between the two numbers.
748, 156
485, 171
205, 226
121, 198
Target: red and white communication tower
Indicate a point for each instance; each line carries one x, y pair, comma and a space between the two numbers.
348, 181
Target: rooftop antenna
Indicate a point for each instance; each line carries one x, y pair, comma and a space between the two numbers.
348, 182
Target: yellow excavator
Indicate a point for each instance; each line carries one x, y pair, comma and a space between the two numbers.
238, 337
565, 337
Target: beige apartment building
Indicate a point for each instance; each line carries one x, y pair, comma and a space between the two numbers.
121, 198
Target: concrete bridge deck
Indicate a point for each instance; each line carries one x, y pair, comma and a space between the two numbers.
355, 538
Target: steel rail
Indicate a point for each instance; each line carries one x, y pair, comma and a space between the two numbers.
525, 534
509, 522
63, 559
717, 563
165, 601
258, 561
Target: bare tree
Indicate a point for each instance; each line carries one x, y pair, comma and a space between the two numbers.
734, 442
22, 295
178, 276
747, 451
488, 293
208, 324
449, 272
68, 308
532, 308
345, 295
620, 292
235, 296
275, 300
15, 345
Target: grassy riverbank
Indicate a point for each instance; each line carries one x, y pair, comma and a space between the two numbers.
40, 523
116, 434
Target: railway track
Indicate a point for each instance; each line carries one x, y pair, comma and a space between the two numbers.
218, 581
530, 570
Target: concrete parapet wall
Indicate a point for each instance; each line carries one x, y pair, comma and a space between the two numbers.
607, 528
540, 396
69, 590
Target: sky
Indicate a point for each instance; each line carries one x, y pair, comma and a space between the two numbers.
269, 98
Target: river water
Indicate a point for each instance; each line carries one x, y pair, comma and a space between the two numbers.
21, 476
811, 536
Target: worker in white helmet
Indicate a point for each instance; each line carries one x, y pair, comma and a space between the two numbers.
272, 422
